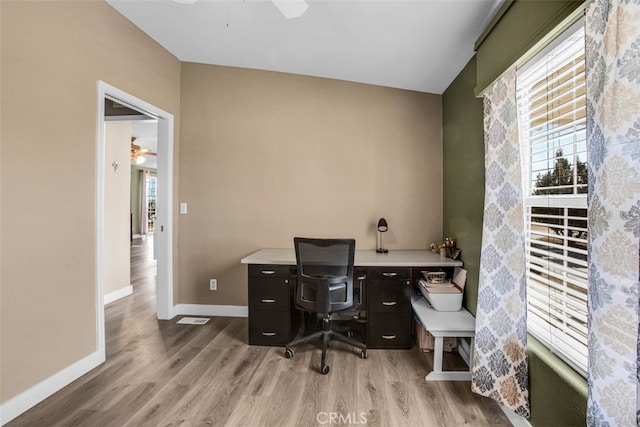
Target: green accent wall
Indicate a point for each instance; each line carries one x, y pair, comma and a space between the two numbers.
558, 394
516, 29
463, 173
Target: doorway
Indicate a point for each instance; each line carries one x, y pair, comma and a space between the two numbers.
163, 221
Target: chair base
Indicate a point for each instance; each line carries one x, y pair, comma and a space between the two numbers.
325, 336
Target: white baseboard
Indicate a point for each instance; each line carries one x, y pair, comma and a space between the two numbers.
211, 310
116, 295
515, 419
24, 401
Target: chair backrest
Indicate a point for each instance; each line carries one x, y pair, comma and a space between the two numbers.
325, 274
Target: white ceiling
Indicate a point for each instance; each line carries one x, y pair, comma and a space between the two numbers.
418, 45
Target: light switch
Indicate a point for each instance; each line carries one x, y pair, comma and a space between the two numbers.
183, 208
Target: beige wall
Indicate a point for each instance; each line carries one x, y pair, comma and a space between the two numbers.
117, 200
266, 156
53, 54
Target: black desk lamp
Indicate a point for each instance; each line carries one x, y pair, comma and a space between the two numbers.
382, 228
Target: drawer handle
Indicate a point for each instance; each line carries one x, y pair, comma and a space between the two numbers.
389, 302
268, 272
389, 337
390, 274
269, 334
268, 301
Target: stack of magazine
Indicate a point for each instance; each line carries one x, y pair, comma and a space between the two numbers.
446, 287
442, 294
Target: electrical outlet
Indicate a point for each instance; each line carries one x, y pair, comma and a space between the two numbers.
213, 284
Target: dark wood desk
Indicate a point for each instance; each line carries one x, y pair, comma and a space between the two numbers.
273, 320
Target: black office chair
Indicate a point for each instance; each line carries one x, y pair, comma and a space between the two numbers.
325, 286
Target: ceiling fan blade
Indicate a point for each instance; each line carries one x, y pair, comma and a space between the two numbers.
291, 8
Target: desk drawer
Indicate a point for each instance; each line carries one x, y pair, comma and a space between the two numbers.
389, 297
389, 273
269, 294
273, 328
389, 290
269, 271
389, 331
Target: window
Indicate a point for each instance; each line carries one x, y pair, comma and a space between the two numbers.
552, 121
152, 184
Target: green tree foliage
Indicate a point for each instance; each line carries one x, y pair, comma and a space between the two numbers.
560, 180
582, 180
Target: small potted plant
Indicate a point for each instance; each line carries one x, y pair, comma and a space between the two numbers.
446, 248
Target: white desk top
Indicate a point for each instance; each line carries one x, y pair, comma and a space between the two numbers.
438, 322
363, 258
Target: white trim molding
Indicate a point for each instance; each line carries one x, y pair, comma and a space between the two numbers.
515, 419
24, 401
164, 221
116, 295
211, 310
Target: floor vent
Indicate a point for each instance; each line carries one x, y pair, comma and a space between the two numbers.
193, 320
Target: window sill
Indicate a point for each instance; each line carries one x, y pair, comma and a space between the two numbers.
564, 371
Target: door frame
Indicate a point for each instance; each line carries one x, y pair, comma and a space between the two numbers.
163, 233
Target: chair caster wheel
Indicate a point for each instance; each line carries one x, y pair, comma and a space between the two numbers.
324, 370
363, 354
288, 353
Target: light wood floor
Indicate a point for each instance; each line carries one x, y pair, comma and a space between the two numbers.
159, 373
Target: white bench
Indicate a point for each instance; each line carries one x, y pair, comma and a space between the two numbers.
442, 324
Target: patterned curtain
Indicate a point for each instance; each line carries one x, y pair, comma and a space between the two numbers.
499, 358
613, 134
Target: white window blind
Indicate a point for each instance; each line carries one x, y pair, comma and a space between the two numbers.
552, 121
